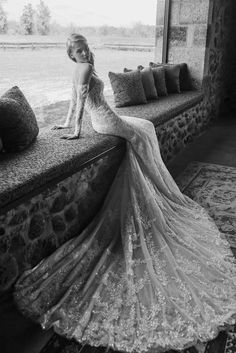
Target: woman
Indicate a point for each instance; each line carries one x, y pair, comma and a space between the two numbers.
151, 271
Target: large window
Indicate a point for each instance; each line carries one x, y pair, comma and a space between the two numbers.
33, 33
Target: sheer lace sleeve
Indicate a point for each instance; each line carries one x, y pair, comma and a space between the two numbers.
82, 93
72, 106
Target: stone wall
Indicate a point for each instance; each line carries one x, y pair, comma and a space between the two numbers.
232, 89
232, 51
177, 133
202, 34
220, 63
37, 226
187, 35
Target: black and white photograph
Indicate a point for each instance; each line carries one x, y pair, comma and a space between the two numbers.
117, 176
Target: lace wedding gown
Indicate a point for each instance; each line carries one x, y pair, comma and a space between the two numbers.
151, 272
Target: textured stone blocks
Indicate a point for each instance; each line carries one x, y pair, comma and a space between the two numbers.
35, 228
8, 271
174, 12
200, 35
160, 12
193, 56
193, 11
176, 133
187, 35
178, 35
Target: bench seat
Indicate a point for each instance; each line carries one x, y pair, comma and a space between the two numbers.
163, 109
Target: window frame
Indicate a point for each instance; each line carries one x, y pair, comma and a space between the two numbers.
165, 43
166, 32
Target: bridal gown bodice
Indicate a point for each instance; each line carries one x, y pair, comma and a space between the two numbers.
102, 116
140, 132
151, 272
104, 119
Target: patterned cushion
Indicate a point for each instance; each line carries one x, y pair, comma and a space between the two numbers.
127, 88
185, 78
172, 78
147, 81
159, 78
160, 81
184, 75
18, 125
171, 75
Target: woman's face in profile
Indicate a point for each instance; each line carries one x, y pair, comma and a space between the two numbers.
80, 52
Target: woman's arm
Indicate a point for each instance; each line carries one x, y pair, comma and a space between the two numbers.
72, 107
82, 89
71, 111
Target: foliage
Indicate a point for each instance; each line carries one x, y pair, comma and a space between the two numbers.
142, 30
14, 28
43, 18
39, 22
56, 28
27, 19
3, 21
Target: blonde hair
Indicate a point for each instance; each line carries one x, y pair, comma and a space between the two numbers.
76, 38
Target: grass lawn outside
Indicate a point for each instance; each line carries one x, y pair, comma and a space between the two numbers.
45, 75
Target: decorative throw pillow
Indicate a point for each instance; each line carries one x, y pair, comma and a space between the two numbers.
185, 78
184, 75
172, 72
172, 78
18, 125
160, 81
128, 88
147, 81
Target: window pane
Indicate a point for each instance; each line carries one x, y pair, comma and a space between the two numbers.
120, 33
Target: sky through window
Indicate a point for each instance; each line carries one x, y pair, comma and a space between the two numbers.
92, 12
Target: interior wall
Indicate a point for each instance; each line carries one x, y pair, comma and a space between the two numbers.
232, 54
220, 59
188, 25
202, 33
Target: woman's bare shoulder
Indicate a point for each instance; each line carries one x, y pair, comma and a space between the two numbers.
83, 67
83, 72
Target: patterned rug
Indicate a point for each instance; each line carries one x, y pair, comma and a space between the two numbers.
214, 187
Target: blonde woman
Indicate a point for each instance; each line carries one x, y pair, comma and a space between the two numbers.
151, 272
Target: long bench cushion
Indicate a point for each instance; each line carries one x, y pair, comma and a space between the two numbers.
50, 158
163, 109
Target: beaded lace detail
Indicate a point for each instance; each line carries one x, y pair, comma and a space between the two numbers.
151, 272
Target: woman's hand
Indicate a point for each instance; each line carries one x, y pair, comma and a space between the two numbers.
70, 137
76, 133
57, 127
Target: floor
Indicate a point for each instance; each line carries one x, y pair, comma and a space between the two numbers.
216, 145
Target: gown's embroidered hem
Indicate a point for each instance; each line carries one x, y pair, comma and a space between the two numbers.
164, 345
